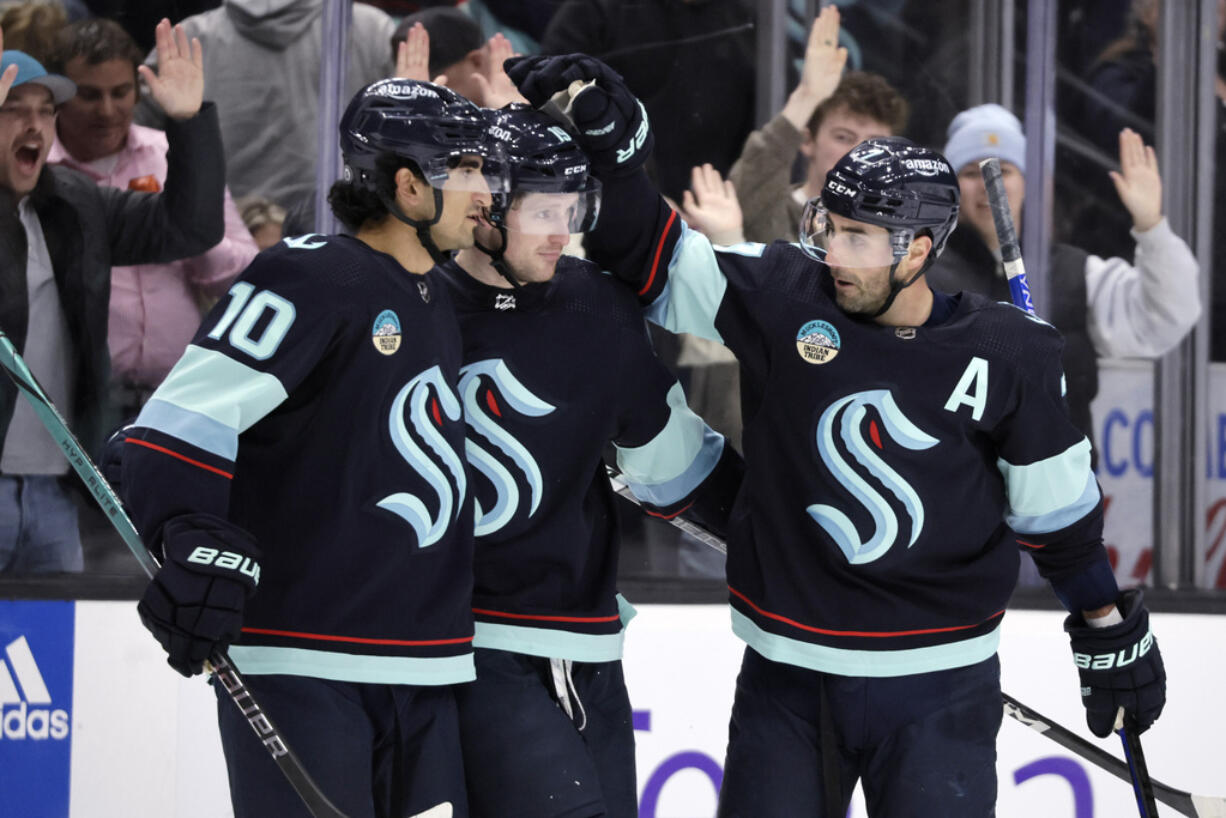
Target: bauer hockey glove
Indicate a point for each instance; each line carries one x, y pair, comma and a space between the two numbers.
194, 604
611, 122
1120, 666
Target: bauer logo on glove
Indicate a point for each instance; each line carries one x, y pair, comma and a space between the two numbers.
1118, 659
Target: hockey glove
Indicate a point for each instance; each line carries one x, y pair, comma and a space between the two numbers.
611, 122
111, 462
194, 604
1120, 666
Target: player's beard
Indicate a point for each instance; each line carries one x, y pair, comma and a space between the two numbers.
870, 291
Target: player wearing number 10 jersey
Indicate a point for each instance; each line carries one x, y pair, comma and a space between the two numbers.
301, 473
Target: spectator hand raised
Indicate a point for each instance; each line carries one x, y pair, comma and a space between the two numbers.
10, 74
710, 207
822, 69
1138, 183
178, 85
496, 87
413, 57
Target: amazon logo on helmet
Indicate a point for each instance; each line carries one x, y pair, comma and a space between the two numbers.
420, 121
894, 183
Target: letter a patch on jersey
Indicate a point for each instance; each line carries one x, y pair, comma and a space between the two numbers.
972, 389
850, 415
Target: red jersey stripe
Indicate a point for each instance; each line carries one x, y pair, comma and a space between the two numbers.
867, 634
326, 637
541, 618
655, 262
172, 453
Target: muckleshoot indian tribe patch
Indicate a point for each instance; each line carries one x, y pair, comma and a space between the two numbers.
818, 342
386, 333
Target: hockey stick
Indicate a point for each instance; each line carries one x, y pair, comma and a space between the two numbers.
1019, 291
1006, 234
223, 669
1194, 806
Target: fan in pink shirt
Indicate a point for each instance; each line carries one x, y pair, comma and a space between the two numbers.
154, 308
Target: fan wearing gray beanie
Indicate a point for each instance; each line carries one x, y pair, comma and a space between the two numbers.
1105, 308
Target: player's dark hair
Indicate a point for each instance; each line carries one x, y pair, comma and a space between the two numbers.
97, 40
356, 205
865, 94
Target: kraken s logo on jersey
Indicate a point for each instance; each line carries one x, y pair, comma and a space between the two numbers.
426, 400
860, 435
489, 385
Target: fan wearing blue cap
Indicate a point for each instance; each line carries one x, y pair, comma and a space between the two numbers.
28, 99
63, 232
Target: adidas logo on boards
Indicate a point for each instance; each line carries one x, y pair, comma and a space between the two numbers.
26, 714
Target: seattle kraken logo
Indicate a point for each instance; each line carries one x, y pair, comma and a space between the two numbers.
850, 413
501, 383
426, 412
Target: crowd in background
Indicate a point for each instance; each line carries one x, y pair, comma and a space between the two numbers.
1124, 284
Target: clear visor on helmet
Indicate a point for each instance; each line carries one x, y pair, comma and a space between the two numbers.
468, 172
847, 244
553, 213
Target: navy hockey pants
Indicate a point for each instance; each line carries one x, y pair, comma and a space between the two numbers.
525, 757
922, 745
374, 750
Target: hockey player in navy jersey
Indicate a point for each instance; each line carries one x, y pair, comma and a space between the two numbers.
901, 445
301, 475
557, 364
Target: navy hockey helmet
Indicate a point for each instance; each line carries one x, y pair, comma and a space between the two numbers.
427, 123
542, 157
893, 183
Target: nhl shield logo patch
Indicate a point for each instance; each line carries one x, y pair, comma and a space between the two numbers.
386, 333
818, 342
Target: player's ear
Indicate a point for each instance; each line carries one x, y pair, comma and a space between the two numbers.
412, 192
918, 251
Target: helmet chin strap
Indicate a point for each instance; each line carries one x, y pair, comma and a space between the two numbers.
496, 255
422, 226
897, 287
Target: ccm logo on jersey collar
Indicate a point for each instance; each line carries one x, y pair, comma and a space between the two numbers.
818, 342
386, 333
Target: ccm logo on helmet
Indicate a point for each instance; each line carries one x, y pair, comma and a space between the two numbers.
839, 188
1117, 659
203, 555
399, 91
926, 167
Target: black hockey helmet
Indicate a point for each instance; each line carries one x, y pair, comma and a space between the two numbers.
429, 124
542, 157
893, 183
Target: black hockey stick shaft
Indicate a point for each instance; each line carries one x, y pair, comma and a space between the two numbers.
1142, 785
223, 669
1194, 806
1006, 234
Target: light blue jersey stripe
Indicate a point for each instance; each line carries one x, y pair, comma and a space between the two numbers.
259, 660
873, 663
672, 464
1051, 493
191, 427
1061, 518
555, 644
552, 644
230, 393
695, 288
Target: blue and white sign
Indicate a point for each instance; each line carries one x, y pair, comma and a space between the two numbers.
36, 670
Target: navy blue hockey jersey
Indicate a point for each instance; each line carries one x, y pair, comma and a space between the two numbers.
316, 407
552, 372
891, 471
